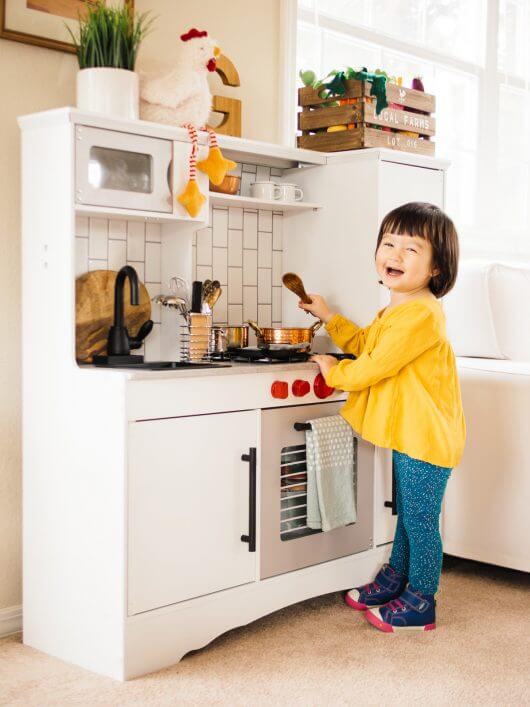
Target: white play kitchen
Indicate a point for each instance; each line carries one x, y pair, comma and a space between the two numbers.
166, 504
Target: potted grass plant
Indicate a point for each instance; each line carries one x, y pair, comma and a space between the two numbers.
107, 47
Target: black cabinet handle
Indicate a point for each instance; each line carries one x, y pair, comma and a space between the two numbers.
302, 426
251, 537
393, 503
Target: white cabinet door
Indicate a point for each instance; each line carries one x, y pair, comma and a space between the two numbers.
401, 183
188, 498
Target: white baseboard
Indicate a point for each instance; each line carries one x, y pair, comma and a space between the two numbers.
10, 620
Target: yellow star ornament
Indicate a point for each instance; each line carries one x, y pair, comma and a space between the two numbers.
216, 166
191, 198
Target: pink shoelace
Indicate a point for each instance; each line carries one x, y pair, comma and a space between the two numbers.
368, 588
396, 605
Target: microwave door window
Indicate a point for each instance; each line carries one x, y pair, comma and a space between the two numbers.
120, 170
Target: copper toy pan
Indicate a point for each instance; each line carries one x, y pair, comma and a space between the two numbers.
288, 336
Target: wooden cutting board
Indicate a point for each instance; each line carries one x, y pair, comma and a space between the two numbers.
94, 312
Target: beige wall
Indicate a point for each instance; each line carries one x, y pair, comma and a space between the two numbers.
34, 79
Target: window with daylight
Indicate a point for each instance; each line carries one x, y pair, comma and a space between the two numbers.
474, 56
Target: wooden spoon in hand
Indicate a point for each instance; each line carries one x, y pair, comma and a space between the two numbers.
294, 283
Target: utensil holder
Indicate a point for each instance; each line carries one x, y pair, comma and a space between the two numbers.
196, 338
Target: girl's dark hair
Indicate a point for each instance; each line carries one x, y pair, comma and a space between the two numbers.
428, 221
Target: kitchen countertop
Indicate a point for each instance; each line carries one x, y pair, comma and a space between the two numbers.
234, 369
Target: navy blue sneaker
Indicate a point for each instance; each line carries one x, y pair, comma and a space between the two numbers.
386, 586
412, 611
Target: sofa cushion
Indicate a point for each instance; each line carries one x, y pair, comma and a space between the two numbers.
468, 311
509, 290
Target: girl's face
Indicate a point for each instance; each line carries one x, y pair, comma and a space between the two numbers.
404, 263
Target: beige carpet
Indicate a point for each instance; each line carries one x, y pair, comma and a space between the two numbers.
320, 652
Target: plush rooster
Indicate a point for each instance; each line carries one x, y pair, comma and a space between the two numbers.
182, 97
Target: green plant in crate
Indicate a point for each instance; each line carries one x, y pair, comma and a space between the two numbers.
110, 36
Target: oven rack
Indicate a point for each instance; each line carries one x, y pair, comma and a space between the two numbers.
293, 466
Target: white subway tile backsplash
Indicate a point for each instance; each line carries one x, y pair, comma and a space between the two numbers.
117, 254
277, 232
277, 304
220, 227
139, 267
152, 344
220, 265
153, 232
250, 303
264, 286
235, 286
235, 314
250, 229
250, 267
265, 315
235, 248
154, 289
94, 264
153, 262
241, 248
263, 174
204, 246
235, 217
277, 268
81, 226
204, 272
265, 220
136, 240
118, 229
220, 311
97, 240
264, 250
247, 178
81, 256
275, 172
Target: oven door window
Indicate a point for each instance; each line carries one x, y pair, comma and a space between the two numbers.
120, 169
294, 491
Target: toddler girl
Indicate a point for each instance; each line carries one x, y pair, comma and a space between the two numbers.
405, 396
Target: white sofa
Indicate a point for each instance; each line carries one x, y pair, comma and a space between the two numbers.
486, 514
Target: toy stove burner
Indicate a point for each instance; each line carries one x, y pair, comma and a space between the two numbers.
270, 356
263, 355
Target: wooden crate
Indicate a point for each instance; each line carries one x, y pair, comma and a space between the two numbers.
359, 115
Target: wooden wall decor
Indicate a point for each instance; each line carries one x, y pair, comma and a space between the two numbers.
229, 107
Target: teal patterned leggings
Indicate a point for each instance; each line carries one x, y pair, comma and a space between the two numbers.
417, 551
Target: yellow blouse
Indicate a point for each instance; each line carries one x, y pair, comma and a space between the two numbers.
404, 389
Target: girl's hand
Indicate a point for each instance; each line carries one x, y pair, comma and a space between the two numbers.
318, 308
325, 362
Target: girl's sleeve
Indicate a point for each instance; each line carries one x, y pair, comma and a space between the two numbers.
347, 335
406, 336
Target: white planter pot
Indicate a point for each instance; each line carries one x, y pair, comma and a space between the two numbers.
109, 91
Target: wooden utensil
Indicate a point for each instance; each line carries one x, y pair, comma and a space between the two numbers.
214, 294
94, 312
294, 283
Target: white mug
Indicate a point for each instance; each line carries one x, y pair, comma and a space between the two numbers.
265, 190
290, 192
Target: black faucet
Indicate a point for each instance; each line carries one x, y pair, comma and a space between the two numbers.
119, 342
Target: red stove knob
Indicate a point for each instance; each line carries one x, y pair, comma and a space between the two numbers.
301, 388
280, 389
321, 388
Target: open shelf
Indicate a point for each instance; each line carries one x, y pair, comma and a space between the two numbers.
249, 202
